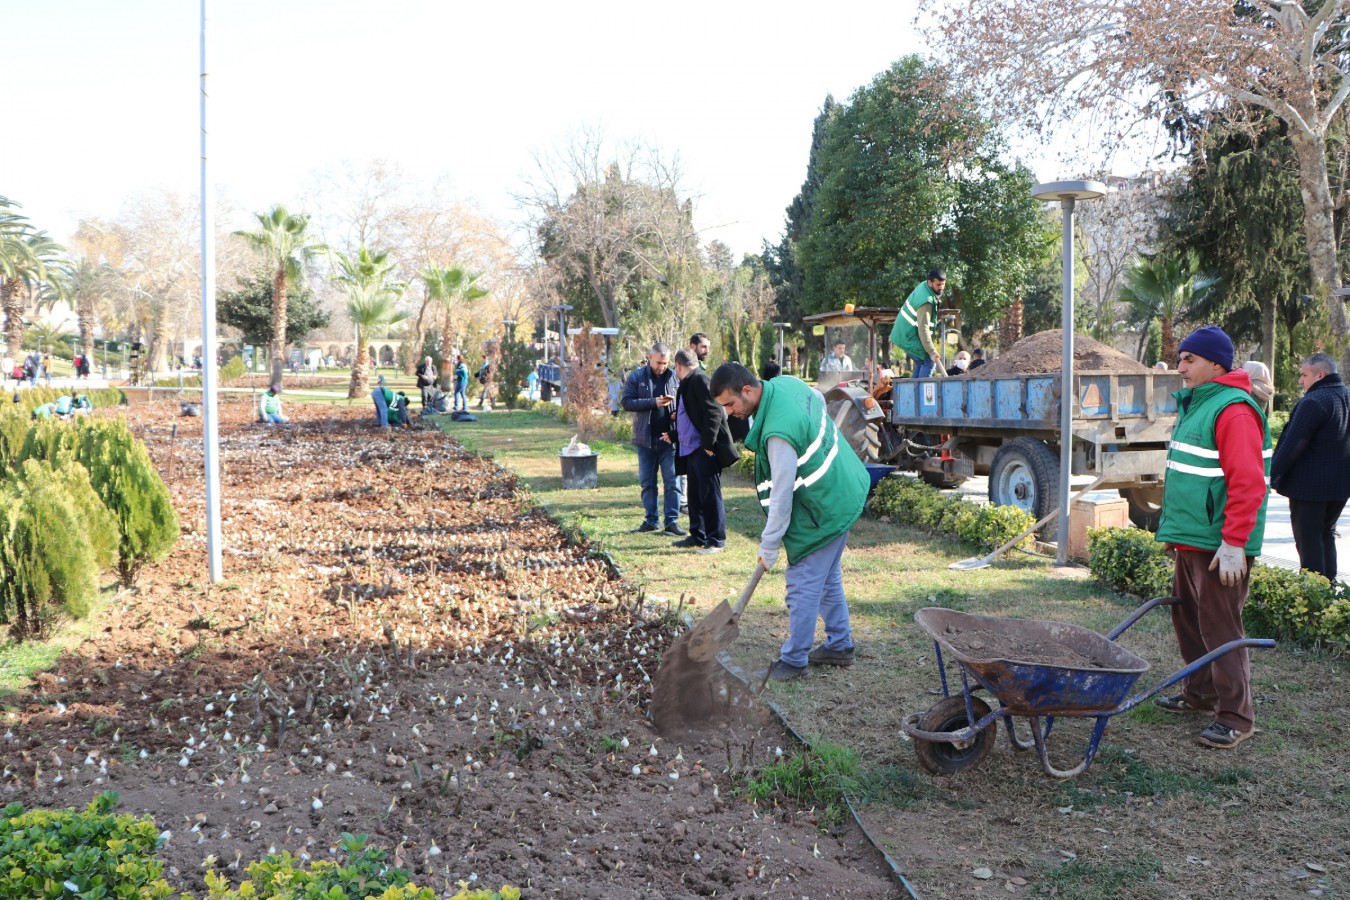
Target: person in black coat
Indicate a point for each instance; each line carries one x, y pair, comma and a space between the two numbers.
703, 448
426, 380
1311, 465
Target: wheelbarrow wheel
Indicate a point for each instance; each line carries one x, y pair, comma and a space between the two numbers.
942, 758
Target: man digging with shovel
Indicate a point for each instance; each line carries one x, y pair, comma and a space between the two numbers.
813, 490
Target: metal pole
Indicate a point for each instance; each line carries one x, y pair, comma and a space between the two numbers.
210, 429
1066, 390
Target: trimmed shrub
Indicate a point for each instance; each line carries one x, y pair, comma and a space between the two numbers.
913, 502
745, 466
232, 370
48, 566
1302, 607
63, 853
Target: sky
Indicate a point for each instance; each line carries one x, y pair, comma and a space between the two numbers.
103, 102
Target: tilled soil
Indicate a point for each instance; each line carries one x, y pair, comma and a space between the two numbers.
404, 646
1042, 353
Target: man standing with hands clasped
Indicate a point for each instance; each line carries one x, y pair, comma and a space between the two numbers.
1213, 515
812, 487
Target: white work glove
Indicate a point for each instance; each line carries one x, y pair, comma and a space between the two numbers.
1231, 562
767, 557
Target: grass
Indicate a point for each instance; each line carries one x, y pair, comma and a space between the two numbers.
1005, 813
20, 660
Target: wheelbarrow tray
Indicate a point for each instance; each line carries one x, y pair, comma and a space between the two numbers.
1036, 668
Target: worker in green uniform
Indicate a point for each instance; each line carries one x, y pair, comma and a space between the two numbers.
916, 326
812, 488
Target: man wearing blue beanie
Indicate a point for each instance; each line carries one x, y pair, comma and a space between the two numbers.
1213, 516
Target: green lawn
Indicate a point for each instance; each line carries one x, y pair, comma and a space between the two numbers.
1132, 826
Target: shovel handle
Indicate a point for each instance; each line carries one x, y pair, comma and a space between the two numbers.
748, 591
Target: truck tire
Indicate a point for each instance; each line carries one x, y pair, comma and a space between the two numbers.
1025, 474
1145, 505
861, 435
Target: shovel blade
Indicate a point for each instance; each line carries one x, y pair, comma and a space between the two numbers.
966, 565
713, 634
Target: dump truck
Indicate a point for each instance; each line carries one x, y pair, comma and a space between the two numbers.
1008, 428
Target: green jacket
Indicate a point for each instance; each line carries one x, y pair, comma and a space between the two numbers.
270, 404
1196, 490
832, 483
905, 331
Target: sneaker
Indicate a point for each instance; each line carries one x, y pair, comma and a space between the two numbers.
1223, 737
821, 656
647, 528
709, 550
1177, 704
686, 543
781, 671
675, 530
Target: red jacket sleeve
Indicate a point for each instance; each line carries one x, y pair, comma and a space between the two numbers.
1239, 435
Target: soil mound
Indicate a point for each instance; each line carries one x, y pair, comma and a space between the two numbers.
1041, 353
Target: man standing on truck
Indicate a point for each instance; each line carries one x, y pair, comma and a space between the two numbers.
916, 326
812, 489
1213, 516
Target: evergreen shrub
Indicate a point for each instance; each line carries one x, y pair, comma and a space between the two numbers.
232, 370
913, 502
48, 566
1294, 606
281, 876
64, 853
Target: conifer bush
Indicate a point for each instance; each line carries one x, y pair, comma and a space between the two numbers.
49, 567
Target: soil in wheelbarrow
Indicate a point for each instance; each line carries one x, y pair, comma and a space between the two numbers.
992, 643
1042, 352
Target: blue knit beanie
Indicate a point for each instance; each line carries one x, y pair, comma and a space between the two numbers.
1210, 343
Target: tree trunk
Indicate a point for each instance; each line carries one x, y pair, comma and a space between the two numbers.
12, 305
360, 370
1168, 352
1319, 225
276, 349
1268, 329
447, 355
85, 311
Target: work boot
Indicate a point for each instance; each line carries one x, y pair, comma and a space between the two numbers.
822, 656
1223, 737
781, 671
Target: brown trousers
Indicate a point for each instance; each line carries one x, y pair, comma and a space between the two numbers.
1209, 616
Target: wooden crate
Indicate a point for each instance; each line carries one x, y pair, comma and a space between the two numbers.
1093, 512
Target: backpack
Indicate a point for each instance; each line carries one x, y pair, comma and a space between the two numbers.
483, 373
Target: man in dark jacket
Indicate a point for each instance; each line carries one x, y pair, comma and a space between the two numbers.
426, 380
1312, 463
649, 393
703, 448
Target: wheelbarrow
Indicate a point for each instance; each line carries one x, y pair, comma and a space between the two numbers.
1035, 670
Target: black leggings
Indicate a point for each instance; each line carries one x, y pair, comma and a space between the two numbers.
1314, 524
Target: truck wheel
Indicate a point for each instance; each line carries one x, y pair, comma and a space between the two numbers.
1145, 505
861, 435
1025, 474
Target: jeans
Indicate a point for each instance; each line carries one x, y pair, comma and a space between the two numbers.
707, 515
1314, 525
662, 457
922, 367
381, 408
815, 589
274, 418
461, 400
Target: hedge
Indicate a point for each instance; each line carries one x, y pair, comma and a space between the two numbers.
1301, 607
913, 502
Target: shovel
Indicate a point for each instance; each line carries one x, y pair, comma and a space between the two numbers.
681, 693
983, 562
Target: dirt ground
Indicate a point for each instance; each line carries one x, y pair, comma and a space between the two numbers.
1042, 352
402, 646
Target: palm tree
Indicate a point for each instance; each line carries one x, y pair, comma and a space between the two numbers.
283, 242
91, 284
1165, 286
372, 298
448, 287
28, 260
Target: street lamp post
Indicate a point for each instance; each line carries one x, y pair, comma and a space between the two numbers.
1068, 193
562, 310
782, 329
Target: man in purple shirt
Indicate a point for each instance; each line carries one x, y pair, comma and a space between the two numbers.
703, 449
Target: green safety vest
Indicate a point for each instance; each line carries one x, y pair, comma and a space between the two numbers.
831, 485
271, 404
1196, 491
905, 331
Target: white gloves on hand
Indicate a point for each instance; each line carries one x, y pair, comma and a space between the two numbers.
1232, 564
767, 557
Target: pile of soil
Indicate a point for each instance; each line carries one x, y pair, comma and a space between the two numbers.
992, 642
1042, 353
403, 646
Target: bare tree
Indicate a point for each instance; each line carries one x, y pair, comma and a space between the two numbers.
1051, 59
1111, 234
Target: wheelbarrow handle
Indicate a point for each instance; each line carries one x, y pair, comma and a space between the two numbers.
1240, 643
1139, 614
